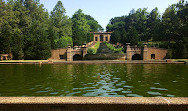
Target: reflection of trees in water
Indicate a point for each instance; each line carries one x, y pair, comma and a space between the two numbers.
61, 77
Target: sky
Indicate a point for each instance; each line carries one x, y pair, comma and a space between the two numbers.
104, 10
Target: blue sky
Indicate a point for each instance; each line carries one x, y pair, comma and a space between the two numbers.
104, 10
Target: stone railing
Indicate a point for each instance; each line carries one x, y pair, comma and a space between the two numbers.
135, 48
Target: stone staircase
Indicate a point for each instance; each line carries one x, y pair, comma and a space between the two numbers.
103, 49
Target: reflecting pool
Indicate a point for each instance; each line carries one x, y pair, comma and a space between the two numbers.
104, 80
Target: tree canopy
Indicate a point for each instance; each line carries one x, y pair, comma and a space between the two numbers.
141, 25
28, 31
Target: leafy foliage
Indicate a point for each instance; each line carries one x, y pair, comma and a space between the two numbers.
141, 25
29, 32
60, 27
94, 25
112, 48
93, 50
80, 28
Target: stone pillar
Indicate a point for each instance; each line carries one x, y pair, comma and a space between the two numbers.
145, 53
128, 51
69, 55
6, 58
94, 38
84, 50
108, 37
1, 57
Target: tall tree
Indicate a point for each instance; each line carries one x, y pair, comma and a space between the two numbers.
80, 28
7, 22
60, 27
94, 25
153, 24
132, 36
37, 44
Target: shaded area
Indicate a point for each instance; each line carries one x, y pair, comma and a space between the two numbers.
77, 57
107, 56
94, 107
137, 57
103, 49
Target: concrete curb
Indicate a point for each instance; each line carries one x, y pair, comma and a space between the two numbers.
95, 100
93, 104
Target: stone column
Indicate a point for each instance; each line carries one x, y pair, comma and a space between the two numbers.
108, 37
84, 50
145, 53
1, 57
69, 54
6, 58
128, 51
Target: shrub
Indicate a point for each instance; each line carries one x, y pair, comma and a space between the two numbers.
112, 48
93, 50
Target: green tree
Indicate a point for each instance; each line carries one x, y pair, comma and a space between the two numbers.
153, 24
37, 44
116, 36
123, 37
7, 22
94, 25
132, 36
80, 28
60, 26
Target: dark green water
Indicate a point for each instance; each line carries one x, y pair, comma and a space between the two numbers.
114, 80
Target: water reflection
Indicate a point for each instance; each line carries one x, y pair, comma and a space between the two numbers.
106, 80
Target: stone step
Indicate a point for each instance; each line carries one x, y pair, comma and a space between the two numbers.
103, 49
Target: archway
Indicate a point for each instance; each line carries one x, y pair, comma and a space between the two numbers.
101, 38
136, 57
77, 57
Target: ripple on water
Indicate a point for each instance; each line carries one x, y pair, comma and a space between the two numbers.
157, 83
154, 93
174, 81
126, 86
134, 95
119, 84
116, 78
90, 94
161, 89
169, 95
54, 93
126, 92
42, 91
31, 88
117, 90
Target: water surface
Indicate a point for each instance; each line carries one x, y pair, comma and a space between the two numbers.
106, 80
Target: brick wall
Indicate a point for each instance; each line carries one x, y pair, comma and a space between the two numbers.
160, 54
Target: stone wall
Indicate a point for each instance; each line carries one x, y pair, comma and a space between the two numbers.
113, 56
55, 54
160, 53
106, 35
